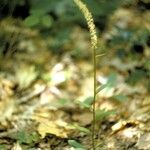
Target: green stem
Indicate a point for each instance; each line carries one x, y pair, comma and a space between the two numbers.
94, 98
90, 22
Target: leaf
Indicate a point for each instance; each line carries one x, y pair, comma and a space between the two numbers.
32, 20
135, 76
7, 108
112, 79
86, 103
102, 113
47, 21
3, 147
101, 88
82, 129
25, 137
107, 89
119, 98
76, 144
63, 102
51, 127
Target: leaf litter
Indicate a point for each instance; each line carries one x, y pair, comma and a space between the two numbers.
47, 107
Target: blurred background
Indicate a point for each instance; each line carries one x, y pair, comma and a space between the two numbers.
46, 57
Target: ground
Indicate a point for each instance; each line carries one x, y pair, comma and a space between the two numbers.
46, 97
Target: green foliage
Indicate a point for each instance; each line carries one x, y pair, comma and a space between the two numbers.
102, 113
40, 6
81, 129
3, 147
140, 75
60, 38
135, 77
32, 20
64, 102
86, 103
26, 137
39, 14
122, 36
76, 145
57, 15
147, 64
102, 7
47, 21
43, 20
66, 12
111, 82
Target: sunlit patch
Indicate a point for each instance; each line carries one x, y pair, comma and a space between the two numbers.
111, 145
129, 132
126, 129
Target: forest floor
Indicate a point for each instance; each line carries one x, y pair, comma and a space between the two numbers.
45, 97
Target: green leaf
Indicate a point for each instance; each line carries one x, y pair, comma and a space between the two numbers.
112, 79
119, 98
47, 21
3, 147
101, 88
32, 20
111, 82
135, 76
63, 102
86, 103
76, 144
25, 137
82, 129
102, 113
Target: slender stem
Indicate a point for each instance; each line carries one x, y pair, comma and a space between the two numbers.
94, 97
89, 19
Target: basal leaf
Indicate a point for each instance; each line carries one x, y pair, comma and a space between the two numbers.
86, 103
75, 144
82, 129
102, 113
112, 78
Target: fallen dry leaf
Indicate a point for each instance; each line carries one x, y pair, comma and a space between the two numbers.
52, 122
7, 108
144, 142
52, 127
